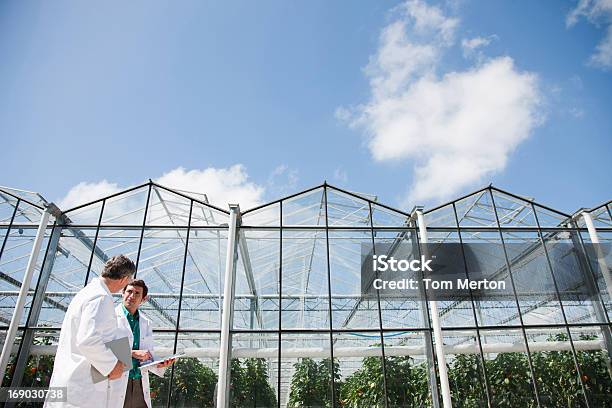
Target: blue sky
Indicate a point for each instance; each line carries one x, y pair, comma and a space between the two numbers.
255, 100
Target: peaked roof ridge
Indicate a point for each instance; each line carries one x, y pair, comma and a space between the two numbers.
188, 197
530, 200
326, 185
149, 183
492, 188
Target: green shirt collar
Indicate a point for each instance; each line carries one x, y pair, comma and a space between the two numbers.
130, 316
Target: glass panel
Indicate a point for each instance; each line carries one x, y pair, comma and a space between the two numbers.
384, 217
194, 378
492, 262
254, 368
126, 208
407, 370
203, 216
442, 217
257, 280
507, 368
601, 217
548, 218
513, 212
465, 374
487, 257
350, 307
13, 266
30, 196
476, 211
594, 265
203, 286
111, 242
593, 351
28, 214
305, 209
88, 215
554, 367
306, 370
454, 312
305, 286
533, 280
39, 366
166, 208
8, 375
264, 217
573, 276
397, 309
161, 267
7, 207
344, 209
69, 269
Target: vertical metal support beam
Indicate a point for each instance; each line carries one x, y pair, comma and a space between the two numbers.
144, 224
435, 322
180, 302
603, 267
432, 374
225, 351
601, 312
23, 293
39, 295
380, 318
329, 302
280, 305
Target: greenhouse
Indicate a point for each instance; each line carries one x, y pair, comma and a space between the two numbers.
269, 304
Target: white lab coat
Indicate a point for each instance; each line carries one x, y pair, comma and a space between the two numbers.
89, 323
119, 387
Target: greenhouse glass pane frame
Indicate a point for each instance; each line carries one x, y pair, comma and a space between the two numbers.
296, 296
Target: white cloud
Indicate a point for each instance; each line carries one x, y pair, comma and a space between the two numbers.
340, 176
471, 47
576, 112
282, 181
221, 185
598, 12
85, 192
474, 43
458, 128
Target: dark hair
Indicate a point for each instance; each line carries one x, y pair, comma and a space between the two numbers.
140, 283
118, 267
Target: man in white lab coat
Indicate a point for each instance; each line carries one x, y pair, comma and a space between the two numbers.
88, 325
133, 386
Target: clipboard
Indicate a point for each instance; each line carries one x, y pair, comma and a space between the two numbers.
122, 350
153, 363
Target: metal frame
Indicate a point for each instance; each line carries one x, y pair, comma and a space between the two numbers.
512, 221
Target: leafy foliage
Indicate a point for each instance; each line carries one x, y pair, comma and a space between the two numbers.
38, 368
406, 384
311, 384
508, 375
193, 385
249, 384
465, 380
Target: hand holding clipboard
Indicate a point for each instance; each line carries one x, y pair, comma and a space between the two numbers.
122, 350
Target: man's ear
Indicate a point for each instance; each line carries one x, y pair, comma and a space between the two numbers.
144, 299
